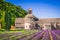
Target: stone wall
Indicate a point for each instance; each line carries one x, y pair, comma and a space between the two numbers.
54, 21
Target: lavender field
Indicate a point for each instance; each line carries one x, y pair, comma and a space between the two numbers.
30, 35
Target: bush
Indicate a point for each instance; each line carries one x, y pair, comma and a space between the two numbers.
2, 29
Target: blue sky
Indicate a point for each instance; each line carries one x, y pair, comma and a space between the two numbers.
41, 8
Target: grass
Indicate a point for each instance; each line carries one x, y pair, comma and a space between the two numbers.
2, 31
22, 31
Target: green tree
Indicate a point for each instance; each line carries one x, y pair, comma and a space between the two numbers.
3, 19
7, 21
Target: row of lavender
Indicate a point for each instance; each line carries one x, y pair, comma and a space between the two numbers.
55, 34
51, 35
33, 35
15, 35
44, 35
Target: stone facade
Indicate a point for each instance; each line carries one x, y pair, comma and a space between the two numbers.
32, 22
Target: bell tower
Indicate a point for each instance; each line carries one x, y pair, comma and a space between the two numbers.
30, 11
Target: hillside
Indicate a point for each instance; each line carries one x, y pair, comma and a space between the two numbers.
8, 13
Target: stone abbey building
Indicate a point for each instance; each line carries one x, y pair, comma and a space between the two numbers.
32, 22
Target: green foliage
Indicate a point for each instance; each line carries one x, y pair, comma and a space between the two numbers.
9, 12
3, 19
0, 14
7, 20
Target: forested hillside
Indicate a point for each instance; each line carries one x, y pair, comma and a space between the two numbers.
8, 13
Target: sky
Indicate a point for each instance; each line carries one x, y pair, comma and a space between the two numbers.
41, 8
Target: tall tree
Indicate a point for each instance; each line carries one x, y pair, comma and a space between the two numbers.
3, 19
7, 21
